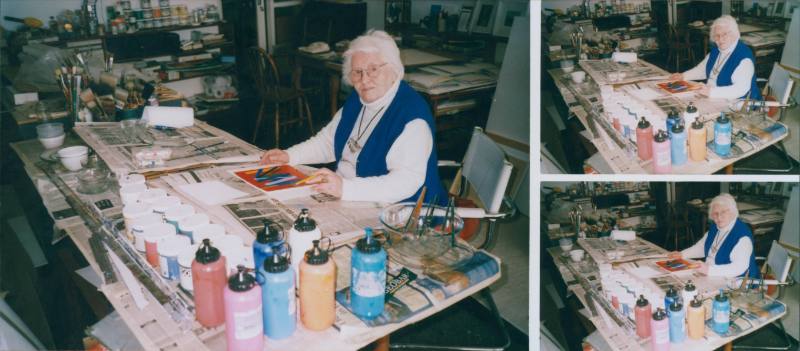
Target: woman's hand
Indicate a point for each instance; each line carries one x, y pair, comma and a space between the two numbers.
705, 90
674, 255
274, 157
703, 268
675, 76
328, 182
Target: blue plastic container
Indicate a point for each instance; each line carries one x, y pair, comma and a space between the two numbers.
368, 278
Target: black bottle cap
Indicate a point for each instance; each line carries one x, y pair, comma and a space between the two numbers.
641, 302
676, 305
723, 118
689, 286
643, 123
206, 253
276, 263
691, 108
696, 302
673, 114
241, 280
304, 223
677, 127
367, 244
721, 297
316, 256
659, 314
661, 136
697, 124
671, 291
272, 232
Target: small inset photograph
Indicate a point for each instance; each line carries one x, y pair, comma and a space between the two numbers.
660, 265
669, 87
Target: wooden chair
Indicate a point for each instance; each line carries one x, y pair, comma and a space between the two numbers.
679, 229
289, 104
679, 47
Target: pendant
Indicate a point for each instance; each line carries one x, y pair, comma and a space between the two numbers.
353, 145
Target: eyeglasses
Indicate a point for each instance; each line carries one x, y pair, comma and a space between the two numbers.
371, 71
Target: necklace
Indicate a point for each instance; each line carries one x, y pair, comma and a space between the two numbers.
353, 144
718, 240
718, 65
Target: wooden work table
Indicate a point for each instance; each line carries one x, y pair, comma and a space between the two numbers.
159, 326
579, 276
584, 102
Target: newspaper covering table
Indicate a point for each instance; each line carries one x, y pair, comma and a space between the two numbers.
199, 144
583, 280
171, 326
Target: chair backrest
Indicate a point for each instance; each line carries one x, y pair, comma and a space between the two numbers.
264, 70
780, 83
779, 261
485, 167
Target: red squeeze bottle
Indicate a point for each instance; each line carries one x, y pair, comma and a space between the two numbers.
643, 313
644, 139
209, 281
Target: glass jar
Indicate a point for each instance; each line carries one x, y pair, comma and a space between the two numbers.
163, 3
145, 4
93, 177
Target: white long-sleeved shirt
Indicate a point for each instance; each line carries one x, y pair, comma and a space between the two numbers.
740, 255
406, 160
741, 78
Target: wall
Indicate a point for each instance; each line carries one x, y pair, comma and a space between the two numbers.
43, 9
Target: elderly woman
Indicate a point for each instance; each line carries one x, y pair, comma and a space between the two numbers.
730, 66
728, 244
381, 139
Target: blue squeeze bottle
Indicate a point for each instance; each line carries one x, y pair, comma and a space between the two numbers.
723, 131
673, 118
278, 298
266, 241
678, 147
721, 313
670, 297
368, 277
677, 322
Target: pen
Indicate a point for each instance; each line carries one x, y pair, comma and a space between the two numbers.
282, 181
306, 179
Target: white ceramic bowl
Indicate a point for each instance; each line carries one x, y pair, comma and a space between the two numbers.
576, 255
567, 65
73, 157
578, 76
565, 244
53, 142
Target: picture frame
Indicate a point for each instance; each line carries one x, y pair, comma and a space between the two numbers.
507, 10
780, 7
464, 18
483, 17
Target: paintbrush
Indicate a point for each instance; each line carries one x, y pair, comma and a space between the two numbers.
411, 223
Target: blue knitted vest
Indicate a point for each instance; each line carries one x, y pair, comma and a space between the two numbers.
739, 53
723, 256
406, 106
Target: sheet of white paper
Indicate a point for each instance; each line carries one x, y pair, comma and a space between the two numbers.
646, 94
645, 272
211, 193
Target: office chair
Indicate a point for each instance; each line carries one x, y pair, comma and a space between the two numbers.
291, 100
780, 86
486, 172
778, 264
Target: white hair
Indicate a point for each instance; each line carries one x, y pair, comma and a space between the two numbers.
724, 21
723, 199
374, 41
